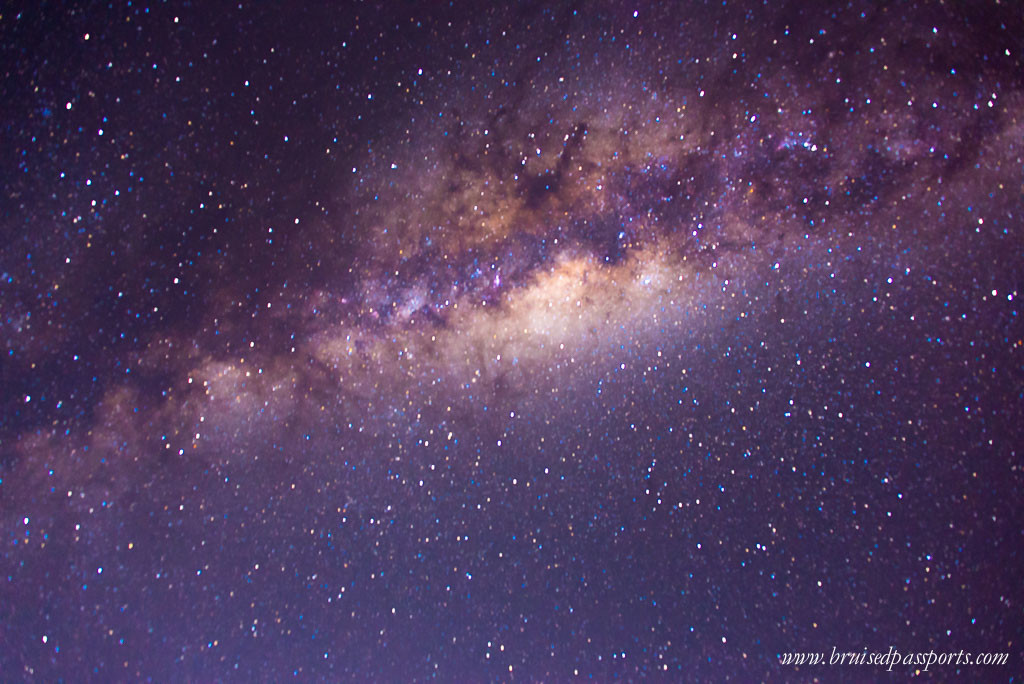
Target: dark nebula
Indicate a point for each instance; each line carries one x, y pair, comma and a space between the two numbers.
530, 341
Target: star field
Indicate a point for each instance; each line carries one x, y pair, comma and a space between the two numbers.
389, 342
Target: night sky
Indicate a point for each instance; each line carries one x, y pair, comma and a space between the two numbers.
494, 341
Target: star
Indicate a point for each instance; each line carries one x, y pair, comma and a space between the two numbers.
535, 341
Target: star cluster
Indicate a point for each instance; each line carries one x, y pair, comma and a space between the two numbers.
529, 341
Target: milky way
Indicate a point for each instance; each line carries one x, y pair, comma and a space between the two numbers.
390, 342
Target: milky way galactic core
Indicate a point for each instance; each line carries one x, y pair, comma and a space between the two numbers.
540, 341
